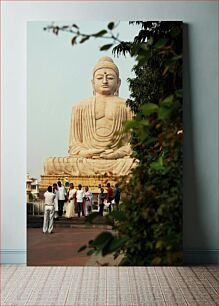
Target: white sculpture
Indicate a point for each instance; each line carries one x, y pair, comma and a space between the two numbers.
94, 148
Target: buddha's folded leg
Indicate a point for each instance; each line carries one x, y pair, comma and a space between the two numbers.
87, 167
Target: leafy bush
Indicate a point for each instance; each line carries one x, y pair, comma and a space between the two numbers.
148, 224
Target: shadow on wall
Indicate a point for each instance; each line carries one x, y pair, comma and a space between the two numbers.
193, 231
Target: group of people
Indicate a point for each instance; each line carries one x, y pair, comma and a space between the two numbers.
78, 202
110, 199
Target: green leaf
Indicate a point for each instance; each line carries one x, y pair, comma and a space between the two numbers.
143, 47
100, 33
130, 124
114, 245
157, 165
168, 101
90, 252
111, 25
164, 113
166, 108
106, 47
179, 93
160, 210
84, 39
82, 248
74, 40
161, 43
160, 244
101, 240
149, 108
150, 41
145, 122
75, 26
143, 57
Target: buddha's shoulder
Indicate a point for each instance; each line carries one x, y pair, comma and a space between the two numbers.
120, 101
86, 102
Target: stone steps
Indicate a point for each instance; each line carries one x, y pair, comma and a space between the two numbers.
37, 222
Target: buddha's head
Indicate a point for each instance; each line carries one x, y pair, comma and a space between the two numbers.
106, 79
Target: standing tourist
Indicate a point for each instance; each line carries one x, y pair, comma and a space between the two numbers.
117, 195
70, 207
61, 199
56, 192
109, 196
101, 198
87, 201
79, 199
49, 210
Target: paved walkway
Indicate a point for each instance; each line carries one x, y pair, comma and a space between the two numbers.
60, 248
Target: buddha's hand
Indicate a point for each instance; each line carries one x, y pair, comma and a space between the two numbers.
91, 153
114, 154
109, 154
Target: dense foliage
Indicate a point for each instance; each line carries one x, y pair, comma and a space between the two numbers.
149, 221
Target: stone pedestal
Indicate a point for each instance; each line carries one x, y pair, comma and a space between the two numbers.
91, 181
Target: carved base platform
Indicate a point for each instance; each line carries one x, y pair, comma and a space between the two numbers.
91, 181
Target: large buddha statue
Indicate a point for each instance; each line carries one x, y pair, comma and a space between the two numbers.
94, 146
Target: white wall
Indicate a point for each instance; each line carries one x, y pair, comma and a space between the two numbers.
200, 111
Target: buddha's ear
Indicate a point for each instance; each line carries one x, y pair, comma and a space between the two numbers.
92, 82
118, 85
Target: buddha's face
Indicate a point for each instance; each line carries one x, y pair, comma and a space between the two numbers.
105, 81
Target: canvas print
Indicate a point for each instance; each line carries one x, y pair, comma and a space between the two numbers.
104, 159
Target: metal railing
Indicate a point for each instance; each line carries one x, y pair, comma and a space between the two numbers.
35, 208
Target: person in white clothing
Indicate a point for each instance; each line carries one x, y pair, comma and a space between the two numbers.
70, 207
79, 199
61, 199
56, 192
87, 201
49, 210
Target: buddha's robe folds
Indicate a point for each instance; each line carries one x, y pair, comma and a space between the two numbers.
88, 141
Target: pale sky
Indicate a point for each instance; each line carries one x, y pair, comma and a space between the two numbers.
58, 77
